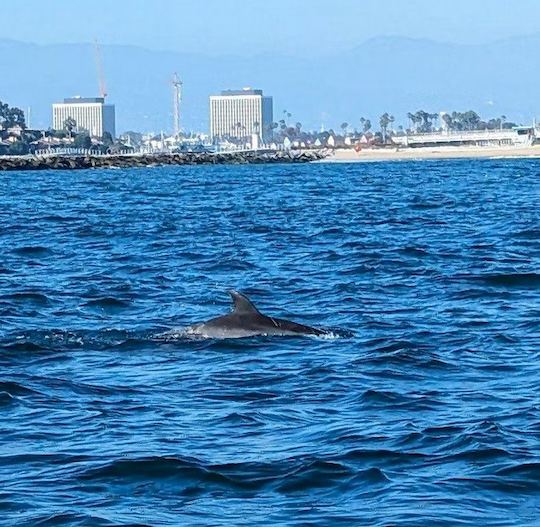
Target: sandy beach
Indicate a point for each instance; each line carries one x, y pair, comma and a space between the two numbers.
448, 152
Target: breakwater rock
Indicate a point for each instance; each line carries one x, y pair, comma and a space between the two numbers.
63, 162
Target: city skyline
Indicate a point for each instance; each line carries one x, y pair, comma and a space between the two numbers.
325, 67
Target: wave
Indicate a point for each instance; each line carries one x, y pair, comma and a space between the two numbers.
401, 353
237, 418
382, 456
475, 454
527, 473
389, 400
528, 234
286, 476
526, 280
65, 340
502, 280
32, 250
14, 389
187, 334
76, 519
118, 339
29, 297
250, 395
154, 468
519, 479
5, 398
57, 218
22, 346
414, 251
108, 303
321, 474
419, 203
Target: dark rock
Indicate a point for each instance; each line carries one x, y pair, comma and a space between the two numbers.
132, 161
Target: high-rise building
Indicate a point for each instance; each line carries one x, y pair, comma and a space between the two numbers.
241, 113
90, 114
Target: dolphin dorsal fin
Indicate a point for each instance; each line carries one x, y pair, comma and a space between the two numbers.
242, 304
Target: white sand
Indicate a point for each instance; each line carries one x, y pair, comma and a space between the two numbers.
443, 152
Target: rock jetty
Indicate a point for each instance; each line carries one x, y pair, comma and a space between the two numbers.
71, 162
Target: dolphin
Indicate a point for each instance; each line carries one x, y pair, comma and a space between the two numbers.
245, 320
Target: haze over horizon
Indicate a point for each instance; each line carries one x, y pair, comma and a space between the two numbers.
324, 65
218, 27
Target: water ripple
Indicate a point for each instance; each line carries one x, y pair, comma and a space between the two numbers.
423, 410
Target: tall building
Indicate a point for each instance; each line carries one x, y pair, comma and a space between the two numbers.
241, 113
89, 113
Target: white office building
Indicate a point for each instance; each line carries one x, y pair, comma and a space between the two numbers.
241, 114
90, 114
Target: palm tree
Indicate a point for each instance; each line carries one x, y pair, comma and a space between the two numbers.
412, 120
384, 121
448, 121
344, 127
287, 116
69, 125
366, 124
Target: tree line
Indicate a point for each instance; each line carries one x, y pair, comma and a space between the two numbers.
420, 121
13, 118
425, 122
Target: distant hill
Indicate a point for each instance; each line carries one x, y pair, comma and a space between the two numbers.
384, 74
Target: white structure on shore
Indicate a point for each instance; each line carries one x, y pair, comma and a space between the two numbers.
241, 114
517, 136
89, 113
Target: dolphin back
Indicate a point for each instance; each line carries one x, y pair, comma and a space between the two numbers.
288, 327
245, 320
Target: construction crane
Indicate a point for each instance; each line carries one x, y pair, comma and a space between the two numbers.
101, 75
177, 99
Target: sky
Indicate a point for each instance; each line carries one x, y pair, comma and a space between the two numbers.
250, 27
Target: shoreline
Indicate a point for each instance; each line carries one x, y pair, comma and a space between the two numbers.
80, 162
427, 153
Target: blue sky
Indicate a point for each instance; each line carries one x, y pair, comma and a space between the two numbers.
254, 26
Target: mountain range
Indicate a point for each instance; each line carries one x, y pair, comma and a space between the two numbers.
385, 74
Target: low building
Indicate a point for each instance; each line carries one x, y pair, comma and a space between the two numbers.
241, 114
90, 114
517, 136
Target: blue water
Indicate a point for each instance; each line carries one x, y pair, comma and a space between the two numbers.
428, 415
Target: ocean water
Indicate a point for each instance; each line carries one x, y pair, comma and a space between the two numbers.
428, 414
